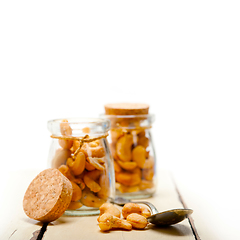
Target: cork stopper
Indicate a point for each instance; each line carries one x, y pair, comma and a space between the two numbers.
48, 196
126, 108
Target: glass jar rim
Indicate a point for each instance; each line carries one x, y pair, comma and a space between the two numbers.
148, 116
97, 126
145, 119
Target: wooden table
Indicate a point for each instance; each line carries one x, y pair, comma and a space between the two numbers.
15, 225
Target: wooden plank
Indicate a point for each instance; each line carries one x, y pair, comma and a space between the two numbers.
19, 226
87, 227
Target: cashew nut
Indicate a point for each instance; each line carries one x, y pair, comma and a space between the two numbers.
77, 192
143, 140
65, 144
124, 147
128, 178
137, 221
75, 145
94, 186
109, 208
94, 144
105, 186
60, 157
64, 169
139, 155
86, 130
148, 174
79, 181
77, 165
90, 200
89, 166
95, 174
115, 135
90, 178
149, 163
108, 221
65, 128
124, 189
93, 150
117, 167
146, 184
127, 165
74, 205
98, 163
141, 209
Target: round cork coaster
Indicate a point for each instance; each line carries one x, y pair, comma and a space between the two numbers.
126, 108
48, 196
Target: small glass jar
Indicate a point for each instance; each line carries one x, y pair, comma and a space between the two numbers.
132, 149
80, 150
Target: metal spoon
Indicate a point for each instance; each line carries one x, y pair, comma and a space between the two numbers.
165, 218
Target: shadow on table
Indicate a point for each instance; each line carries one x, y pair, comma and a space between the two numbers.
175, 230
65, 219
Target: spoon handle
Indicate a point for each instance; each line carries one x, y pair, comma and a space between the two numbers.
150, 205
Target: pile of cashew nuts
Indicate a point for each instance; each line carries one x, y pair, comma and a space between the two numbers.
133, 164
133, 216
86, 171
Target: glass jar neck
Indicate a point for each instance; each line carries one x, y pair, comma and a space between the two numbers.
80, 127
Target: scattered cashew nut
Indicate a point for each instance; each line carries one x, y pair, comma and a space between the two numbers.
129, 208
137, 221
109, 208
108, 221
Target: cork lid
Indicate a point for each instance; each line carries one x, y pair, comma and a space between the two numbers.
126, 108
48, 196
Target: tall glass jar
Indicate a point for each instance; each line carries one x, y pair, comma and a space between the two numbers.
80, 150
132, 149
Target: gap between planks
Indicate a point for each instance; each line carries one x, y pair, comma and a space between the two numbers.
38, 235
190, 219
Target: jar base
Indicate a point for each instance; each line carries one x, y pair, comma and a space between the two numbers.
134, 195
83, 211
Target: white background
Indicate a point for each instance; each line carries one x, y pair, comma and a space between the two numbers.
67, 59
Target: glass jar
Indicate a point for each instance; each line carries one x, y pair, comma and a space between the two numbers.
132, 149
80, 150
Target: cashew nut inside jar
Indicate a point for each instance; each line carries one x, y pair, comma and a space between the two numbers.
132, 149
80, 151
